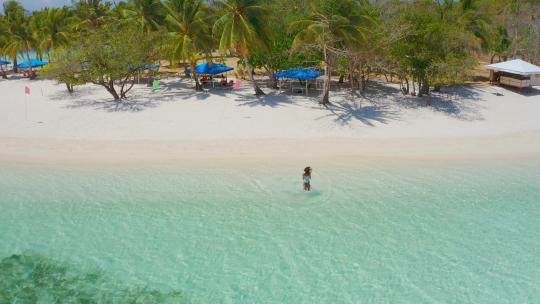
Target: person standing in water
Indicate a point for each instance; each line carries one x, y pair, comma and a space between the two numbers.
307, 179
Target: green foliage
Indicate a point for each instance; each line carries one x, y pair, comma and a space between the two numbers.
66, 67
110, 57
18, 35
188, 29
277, 56
335, 28
432, 42
189, 34
242, 28
148, 14
50, 28
32, 278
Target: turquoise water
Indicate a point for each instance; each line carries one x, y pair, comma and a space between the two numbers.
21, 57
461, 233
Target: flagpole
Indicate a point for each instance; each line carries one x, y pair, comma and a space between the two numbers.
25, 107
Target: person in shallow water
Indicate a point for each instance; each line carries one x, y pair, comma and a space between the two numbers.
307, 179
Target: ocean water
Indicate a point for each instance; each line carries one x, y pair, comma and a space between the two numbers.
21, 56
454, 233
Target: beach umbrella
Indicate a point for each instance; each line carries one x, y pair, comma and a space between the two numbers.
299, 73
4, 62
35, 64
212, 68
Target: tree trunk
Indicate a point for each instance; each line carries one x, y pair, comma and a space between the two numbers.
274, 80
423, 86
353, 89
406, 88
69, 87
15, 69
125, 90
31, 71
198, 86
2, 72
325, 96
258, 91
341, 78
109, 86
492, 58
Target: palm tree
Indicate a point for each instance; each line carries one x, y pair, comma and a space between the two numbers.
147, 13
13, 13
240, 28
3, 40
50, 28
20, 36
332, 28
189, 32
90, 14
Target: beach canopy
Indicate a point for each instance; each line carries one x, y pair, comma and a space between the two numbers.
35, 64
516, 66
3, 62
212, 68
299, 73
144, 66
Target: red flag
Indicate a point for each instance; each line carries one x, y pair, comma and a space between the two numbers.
26, 90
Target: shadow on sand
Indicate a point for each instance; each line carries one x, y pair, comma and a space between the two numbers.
346, 112
380, 103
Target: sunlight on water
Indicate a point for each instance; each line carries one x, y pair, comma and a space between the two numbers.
453, 234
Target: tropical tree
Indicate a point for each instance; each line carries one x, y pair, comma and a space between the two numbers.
335, 27
90, 14
435, 47
242, 28
278, 56
3, 40
20, 35
110, 57
66, 66
188, 32
13, 14
50, 28
148, 14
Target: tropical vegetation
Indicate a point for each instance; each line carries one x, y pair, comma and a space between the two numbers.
421, 44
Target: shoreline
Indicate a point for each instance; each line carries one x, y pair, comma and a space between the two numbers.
175, 126
248, 152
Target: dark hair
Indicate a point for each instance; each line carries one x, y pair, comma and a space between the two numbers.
307, 170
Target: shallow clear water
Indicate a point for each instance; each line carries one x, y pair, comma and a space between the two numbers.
462, 233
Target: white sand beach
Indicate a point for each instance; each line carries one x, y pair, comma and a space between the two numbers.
177, 124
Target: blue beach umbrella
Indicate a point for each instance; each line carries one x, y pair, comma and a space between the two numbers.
299, 73
3, 62
212, 68
34, 62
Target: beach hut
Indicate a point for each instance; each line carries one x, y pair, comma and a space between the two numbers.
515, 73
300, 74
